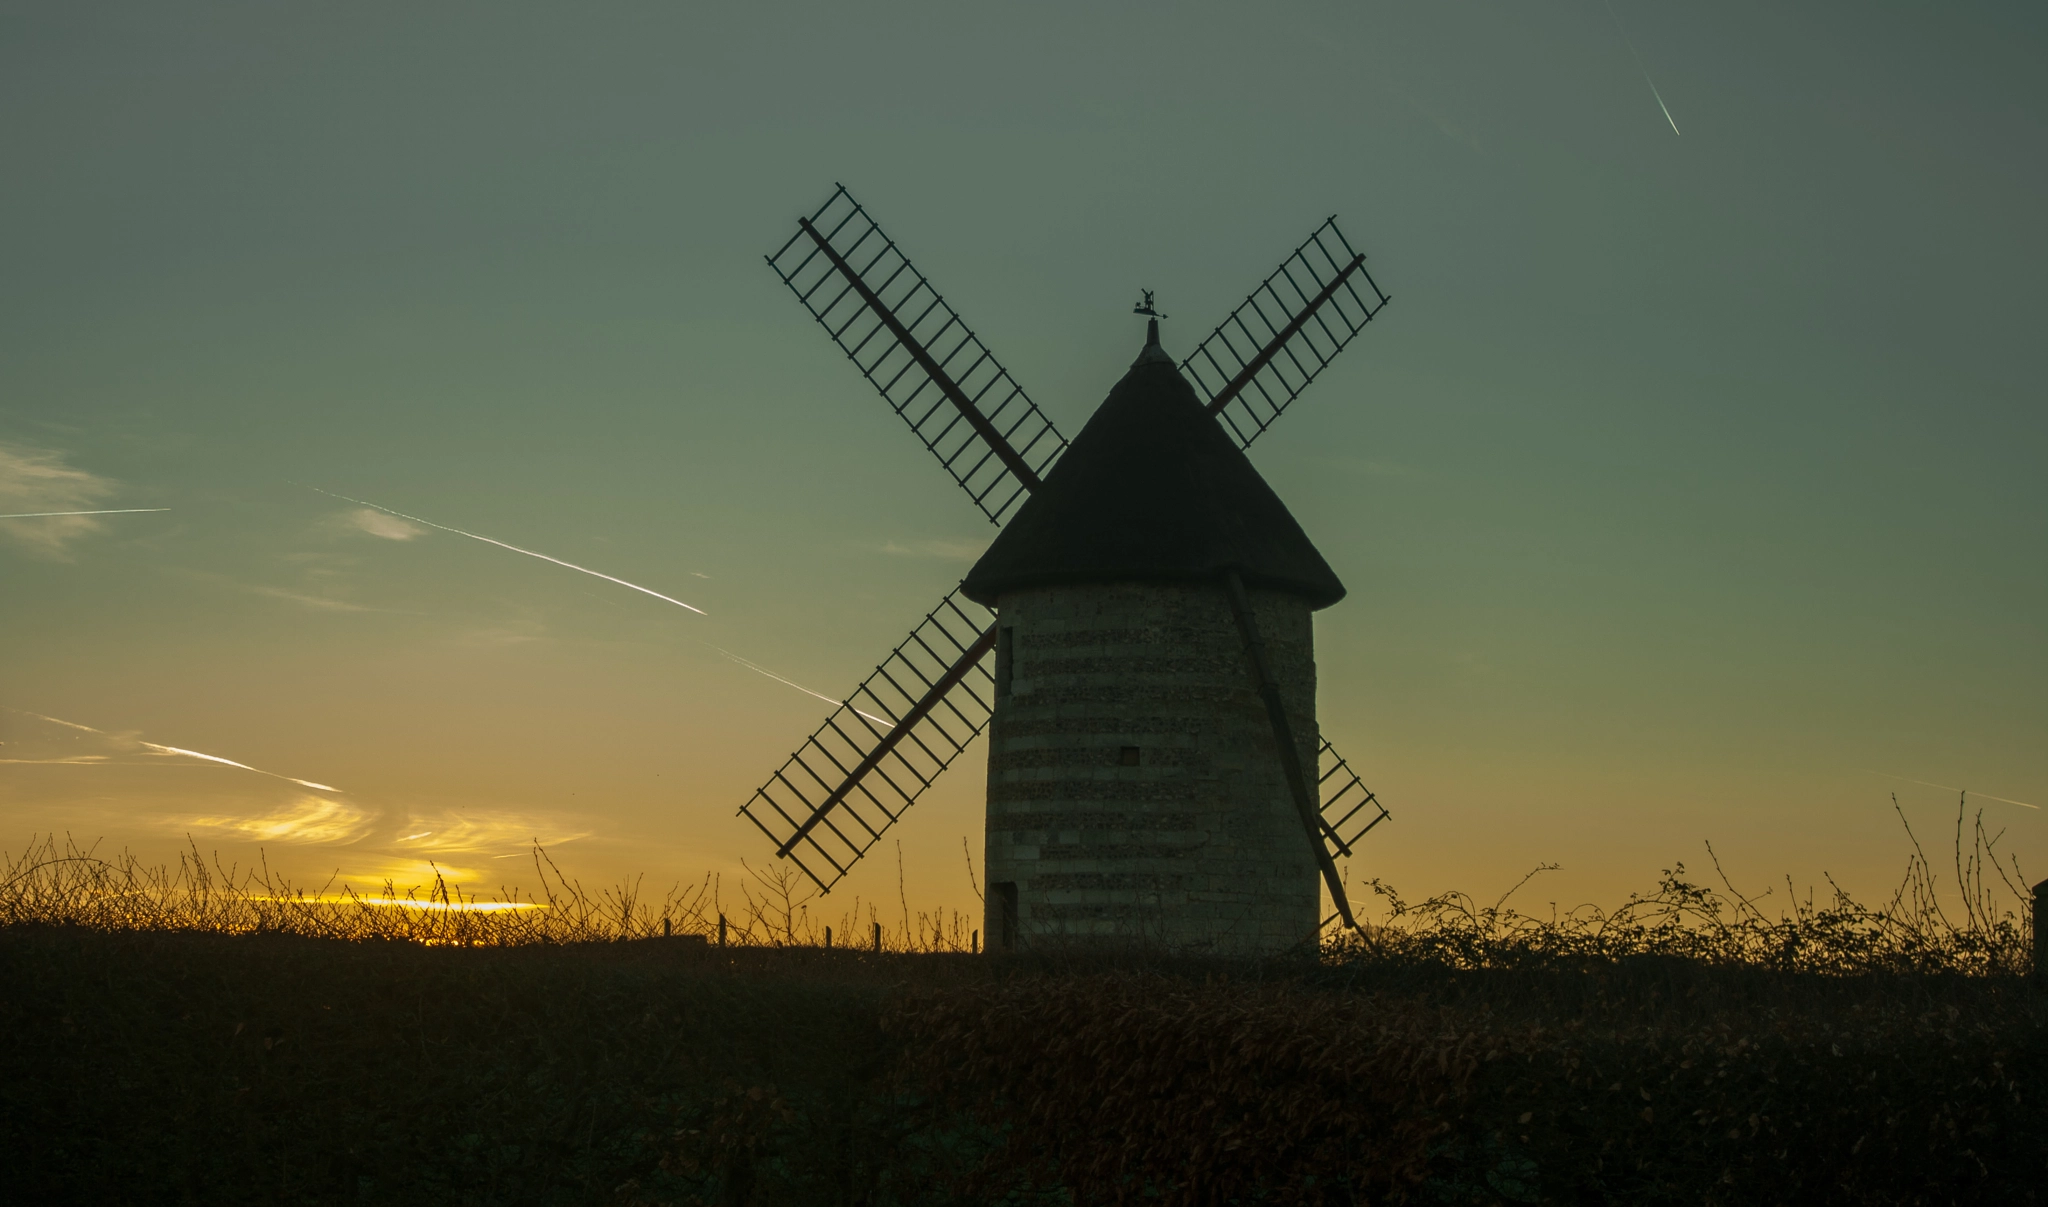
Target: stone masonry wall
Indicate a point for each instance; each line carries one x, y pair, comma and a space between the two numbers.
1196, 845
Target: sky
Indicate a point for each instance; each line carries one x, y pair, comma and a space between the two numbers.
1689, 490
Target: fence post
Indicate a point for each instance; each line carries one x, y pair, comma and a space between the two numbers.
721, 930
2041, 933
878, 936
828, 938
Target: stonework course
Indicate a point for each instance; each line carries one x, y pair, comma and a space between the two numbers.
1135, 795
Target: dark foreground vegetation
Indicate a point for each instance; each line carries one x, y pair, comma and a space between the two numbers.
1687, 1048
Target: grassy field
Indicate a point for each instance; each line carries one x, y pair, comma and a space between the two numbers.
203, 1035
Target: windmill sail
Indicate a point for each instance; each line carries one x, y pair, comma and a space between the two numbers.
1292, 326
870, 760
1349, 808
930, 368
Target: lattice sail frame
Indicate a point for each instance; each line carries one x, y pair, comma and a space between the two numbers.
1346, 802
787, 807
895, 370
1323, 260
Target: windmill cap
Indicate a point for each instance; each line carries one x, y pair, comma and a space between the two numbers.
1153, 490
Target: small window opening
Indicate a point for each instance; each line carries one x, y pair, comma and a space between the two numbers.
1127, 757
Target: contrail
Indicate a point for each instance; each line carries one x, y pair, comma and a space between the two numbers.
1949, 788
886, 724
194, 754
514, 548
36, 515
214, 758
608, 578
1639, 66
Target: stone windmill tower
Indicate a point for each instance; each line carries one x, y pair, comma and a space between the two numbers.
1154, 728
1156, 775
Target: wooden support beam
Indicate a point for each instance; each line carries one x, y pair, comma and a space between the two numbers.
1283, 734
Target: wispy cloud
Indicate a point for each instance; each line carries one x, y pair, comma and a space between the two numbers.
310, 820
322, 576
380, 524
951, 551
521, 629
1444, 124
486, 832
317, 602
48, 504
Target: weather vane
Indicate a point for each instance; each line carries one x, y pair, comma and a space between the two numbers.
1145, 307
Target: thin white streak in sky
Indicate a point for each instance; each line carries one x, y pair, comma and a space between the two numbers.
800, 687
36, 515
193, 754
214, 758
1947, 788
608, 578
1639, 66
514, 548
66, 724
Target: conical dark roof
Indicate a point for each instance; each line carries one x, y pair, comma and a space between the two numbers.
1154, 490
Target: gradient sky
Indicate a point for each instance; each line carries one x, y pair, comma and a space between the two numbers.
1690, 481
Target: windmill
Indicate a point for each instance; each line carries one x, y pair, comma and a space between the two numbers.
1205, 823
